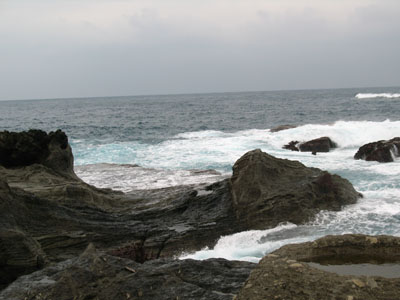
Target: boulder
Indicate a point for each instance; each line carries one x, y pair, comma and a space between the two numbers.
381, 151
95, 275
306, 271
322, 144
267, 191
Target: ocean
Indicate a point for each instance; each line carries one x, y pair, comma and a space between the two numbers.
144, 142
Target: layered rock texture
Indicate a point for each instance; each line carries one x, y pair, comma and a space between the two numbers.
48, 215
95, 275
322, 144
288, 274
381, 151
268, 190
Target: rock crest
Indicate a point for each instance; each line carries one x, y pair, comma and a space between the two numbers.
267, 190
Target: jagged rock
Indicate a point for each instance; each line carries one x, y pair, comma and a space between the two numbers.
287, 274
19, 149
381, 151
322, 144
282, 127
96, 275
292, 146
267, 191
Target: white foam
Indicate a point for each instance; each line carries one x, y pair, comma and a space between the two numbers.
249, 245
127, 178
380, 95
169, 163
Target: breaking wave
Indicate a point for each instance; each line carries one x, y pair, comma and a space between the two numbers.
381, 95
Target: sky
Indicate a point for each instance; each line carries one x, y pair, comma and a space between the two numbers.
88, 48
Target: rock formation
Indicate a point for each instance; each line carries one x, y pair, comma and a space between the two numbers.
267, 191
381, 151
48, 215
36, 147
288, 274
322, 144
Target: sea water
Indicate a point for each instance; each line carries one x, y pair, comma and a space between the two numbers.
145, 142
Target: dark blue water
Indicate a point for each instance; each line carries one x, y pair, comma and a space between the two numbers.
152, 119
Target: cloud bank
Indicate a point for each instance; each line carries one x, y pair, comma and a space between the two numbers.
94, 48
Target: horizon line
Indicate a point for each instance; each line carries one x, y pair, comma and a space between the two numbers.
194, 93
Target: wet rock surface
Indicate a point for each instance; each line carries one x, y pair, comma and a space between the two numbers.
285, 273
48, 215
381, 151
322, 144
95, 275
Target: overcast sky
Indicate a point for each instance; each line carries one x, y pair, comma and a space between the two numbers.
83, 48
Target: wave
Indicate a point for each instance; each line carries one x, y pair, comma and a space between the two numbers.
381, 95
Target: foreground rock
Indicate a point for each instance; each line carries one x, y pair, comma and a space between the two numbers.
322, 144
49, 215
95, 275
287, 274
267, 191
381, 151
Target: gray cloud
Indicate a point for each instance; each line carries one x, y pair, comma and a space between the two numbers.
87, 48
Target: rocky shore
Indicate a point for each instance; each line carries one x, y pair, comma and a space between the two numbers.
92, 242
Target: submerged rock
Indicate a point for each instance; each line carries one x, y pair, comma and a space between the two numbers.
322, 144
267, 191
282, 127
94, 275
287, 274
381, 151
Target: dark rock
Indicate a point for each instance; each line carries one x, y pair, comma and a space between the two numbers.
53, 215
36, 147
267, 191
95, 275
287, 274
292, 146
322, 144
282, 127
381, 151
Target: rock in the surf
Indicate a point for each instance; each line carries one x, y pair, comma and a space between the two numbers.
381, 151
282, 127
267, 191
287, 274
322, 144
